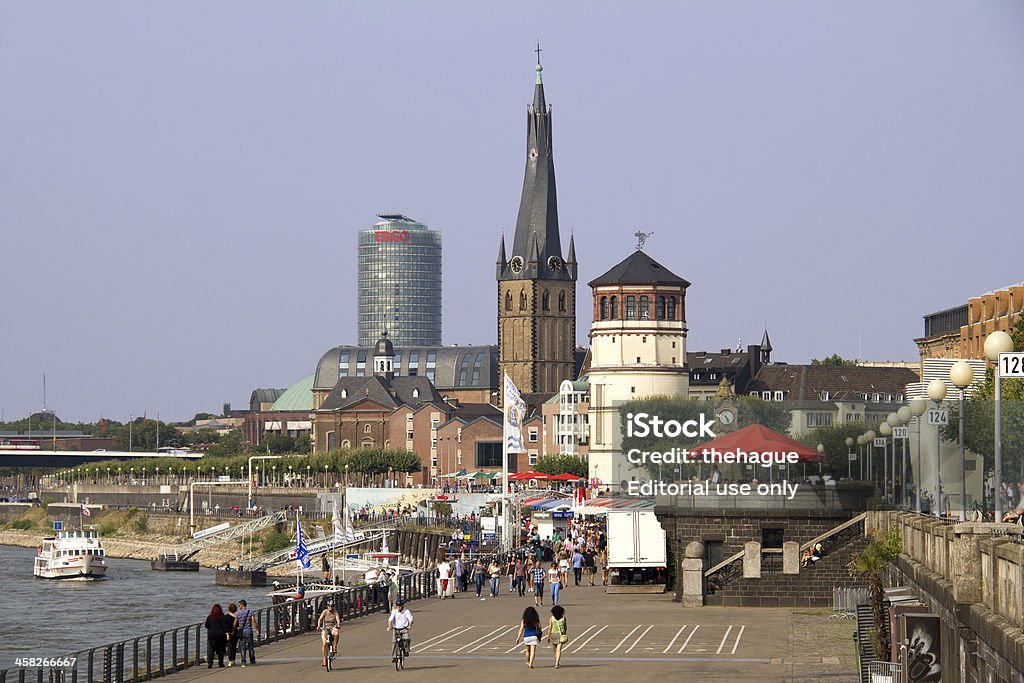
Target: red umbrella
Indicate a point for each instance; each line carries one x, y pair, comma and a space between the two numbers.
758, 439
567, 477
520, 476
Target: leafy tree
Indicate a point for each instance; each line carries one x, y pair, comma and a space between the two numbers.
869, 565
279, 443
229, 444
563, 463
833, 438
834, 359
666, 408
774, 415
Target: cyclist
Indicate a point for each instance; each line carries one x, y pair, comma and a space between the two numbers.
401, 621
329, 624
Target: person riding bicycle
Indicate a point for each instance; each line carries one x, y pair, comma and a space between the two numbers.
329, 624
401, 621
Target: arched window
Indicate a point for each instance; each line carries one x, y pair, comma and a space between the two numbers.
671, 308
630, 307
344, 393
561, 301
522, 300
415, 393
508, 301
645, 308
660, 308
615, 308
604, 308
346, 444
366, 429
545, 301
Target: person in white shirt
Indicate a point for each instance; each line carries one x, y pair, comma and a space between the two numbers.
401, 620
444, 573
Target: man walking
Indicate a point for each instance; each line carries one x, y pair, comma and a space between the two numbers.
538, 574
248, 631
577, 566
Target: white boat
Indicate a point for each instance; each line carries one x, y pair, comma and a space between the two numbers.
71, 554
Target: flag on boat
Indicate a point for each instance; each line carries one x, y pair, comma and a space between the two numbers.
339, 529
350, 531
85, 511
301, 552
384, 544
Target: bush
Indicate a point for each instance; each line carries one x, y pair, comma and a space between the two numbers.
23, 524
142, 523
109, 528
276, 540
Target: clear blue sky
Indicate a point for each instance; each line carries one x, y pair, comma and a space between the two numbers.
181, 183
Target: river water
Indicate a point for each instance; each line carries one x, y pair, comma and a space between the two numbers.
48, 618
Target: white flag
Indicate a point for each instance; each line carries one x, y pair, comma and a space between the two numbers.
339, 530
350, 532
514, 414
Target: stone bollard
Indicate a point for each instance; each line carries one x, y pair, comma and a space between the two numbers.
790, 557
693, 575
751, 560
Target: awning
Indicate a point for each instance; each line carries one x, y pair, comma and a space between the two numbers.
299, 425
271, 426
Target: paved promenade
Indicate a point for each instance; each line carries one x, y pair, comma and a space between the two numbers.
612, 638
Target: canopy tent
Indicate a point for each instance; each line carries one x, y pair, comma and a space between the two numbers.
521, 476
483, 475
567, 477
757, 439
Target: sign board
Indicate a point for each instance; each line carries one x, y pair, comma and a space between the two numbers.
879, 442
490, 538
900, 432
212, 530
223, 477
853, 457
1011, 364
938, 416
352, 556
489, 524
58, 526
561, 514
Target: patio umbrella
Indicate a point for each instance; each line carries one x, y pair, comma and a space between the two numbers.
567, 477
521, 476
480, 475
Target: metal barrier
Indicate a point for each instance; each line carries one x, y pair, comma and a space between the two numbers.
883, 672
164, 652
845, 601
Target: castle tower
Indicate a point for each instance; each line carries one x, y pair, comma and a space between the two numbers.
536, 286
638, 349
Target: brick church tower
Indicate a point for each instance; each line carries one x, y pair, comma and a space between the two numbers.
536, 286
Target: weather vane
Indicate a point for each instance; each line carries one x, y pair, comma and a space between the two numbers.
641, 238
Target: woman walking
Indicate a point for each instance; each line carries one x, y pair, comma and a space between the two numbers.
231, 630
494, 569
555, 580
529, 633
558, 629
478, 576
216, 637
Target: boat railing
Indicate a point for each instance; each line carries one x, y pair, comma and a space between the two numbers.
166, 652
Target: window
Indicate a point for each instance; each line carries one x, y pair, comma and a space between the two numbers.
366, 429
660, 308
431, 364
615, 308
632, 390
754, 394
408, 435
638, 360
779, 395
561, 301
346, 444
331, 441
824, 395
604, 308
343, 364
810, 419
488, 454
344, 393
522, 300
643, 340
631, 307
671, 315
508, 301
645, 308
361, 364
766, 395
713, 375
415, 393
533, 435
673, 345
533, 458
545, 301
414, 363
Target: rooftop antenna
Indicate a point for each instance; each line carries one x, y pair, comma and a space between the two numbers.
641, 238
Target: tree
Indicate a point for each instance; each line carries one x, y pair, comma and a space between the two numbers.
774, 415
562, 463
834, 359
229, 444
279, 443
869, 565
833, 438
667, 408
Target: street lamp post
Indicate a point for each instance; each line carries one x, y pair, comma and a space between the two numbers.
257, 457
885, 430
962, 374
860, 455
905, 415
849, 457
995, 344
893, 420
918, 407
869, 441
937, 393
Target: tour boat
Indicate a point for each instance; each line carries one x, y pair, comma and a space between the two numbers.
71, 554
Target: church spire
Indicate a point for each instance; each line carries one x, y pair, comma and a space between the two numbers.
538, 206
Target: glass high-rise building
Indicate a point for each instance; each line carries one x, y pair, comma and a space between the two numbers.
400, 282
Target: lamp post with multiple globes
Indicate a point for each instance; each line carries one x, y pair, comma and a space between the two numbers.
918, 407
937, 393
995, 344
962, 374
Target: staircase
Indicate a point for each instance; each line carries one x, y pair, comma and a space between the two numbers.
812, 587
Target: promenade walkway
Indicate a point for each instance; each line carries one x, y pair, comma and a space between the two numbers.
612, 638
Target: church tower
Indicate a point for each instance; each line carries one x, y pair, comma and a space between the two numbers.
536, 286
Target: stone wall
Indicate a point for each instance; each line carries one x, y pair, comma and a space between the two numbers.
972, 576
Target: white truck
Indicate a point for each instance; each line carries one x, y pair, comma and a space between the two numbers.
637, 557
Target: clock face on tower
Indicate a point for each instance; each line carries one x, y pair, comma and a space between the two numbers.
516, 264
554, 264
726, 417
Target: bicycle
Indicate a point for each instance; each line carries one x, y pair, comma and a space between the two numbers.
400, 650
330, 649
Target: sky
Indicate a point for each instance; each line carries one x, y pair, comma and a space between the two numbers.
181, 183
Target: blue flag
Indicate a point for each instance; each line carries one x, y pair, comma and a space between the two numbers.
301, 552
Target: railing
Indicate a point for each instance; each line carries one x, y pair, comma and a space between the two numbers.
165, 652
883, 672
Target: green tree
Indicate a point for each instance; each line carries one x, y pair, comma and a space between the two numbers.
563, 463
833, 438
834, 359
279, 443
666, 408
870, 565
229, 444
774, 415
